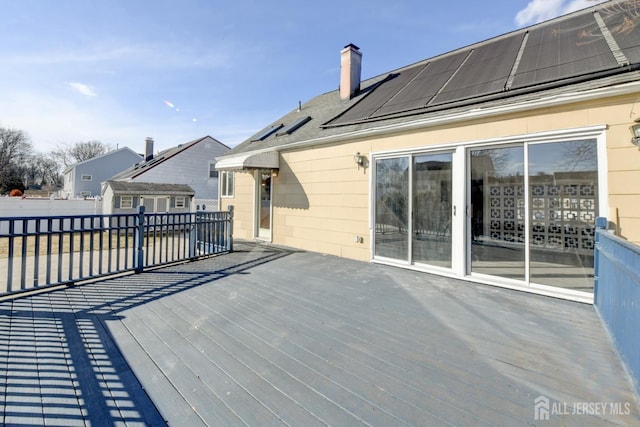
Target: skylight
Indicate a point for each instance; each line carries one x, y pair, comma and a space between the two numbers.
293, 126
268, 132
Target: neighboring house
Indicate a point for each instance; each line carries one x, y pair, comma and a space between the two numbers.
488, 163
84, 179
192, 163
125, 197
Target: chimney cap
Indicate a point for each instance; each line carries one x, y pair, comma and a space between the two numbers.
351, 45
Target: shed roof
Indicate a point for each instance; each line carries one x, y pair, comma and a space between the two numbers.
593, 48
150, 188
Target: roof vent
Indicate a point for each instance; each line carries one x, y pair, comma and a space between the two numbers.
350, 67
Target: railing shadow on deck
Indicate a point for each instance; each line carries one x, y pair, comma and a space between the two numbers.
60, 364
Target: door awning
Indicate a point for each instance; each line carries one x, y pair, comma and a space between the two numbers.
262, 160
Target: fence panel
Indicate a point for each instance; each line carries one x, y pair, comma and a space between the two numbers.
52, 250
617, 295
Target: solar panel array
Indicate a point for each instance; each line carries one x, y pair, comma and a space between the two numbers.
579, 46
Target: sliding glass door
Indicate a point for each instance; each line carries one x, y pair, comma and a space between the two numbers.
497, 212
563, 206
432, 208
392, 208
533, 210
521, 213
413, 209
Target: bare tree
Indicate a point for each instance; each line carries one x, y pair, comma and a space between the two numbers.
42, 169
67, 154
15, 150
580, 156
15, 146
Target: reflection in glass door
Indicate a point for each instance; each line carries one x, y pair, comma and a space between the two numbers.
264, 204
532, 217
431, 237
497, 212
563, 187
414, 198
391, 208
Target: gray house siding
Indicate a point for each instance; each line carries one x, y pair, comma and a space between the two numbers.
190, 167
96, 171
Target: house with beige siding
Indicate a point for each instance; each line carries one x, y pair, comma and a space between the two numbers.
489, 163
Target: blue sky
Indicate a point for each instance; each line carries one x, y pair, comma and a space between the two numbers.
119, 71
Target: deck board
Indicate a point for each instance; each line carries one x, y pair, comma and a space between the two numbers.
270, 336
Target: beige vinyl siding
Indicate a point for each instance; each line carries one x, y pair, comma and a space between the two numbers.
321, 200
242, 201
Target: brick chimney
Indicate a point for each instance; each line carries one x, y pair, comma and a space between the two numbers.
148, 149
350, 66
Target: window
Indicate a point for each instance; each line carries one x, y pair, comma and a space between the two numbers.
226, 184
293, 126
180, 202
264, 135
86, 177
213, 173
85, 193
126, 202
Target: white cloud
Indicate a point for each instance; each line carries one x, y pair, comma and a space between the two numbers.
82, 89
542, 10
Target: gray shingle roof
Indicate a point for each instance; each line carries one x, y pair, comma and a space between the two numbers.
145, 165
592, 48
126, 187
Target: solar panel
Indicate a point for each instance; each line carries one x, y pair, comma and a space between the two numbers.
287, 130
624, 30
563, 50
390, 89
377, 95
485, 72
419, 91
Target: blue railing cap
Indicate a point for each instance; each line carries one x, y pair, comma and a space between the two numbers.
601, 222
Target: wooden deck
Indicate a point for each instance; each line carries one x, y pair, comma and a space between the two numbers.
267, 336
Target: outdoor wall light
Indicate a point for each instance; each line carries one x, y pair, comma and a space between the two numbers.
274, 173
359, 159
635, 131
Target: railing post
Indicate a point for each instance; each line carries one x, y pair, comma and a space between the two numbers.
230, 238
139, 240
601, 225
193, 234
